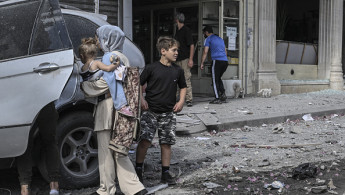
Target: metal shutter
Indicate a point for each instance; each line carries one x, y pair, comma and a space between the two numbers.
109, 8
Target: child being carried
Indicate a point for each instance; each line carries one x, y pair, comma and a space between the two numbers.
93, 70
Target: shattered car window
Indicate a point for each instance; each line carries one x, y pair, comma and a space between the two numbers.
16, 24
50, 32
31, 27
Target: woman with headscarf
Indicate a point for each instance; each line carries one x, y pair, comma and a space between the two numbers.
111, 38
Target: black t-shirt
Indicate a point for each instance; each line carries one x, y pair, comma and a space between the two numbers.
162, 84
185, 38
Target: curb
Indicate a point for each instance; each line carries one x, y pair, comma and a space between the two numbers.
238, 122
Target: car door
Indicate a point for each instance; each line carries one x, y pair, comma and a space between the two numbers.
36, 60
80, 25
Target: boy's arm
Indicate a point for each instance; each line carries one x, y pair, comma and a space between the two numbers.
107, 68
179, 105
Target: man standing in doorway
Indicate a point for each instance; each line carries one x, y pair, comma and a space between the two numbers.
219, 62
185, 54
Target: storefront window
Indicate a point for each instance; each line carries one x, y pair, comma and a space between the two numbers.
297, 31
148, 25
163, 25
142, 33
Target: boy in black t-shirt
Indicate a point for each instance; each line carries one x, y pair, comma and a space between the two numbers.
159, 105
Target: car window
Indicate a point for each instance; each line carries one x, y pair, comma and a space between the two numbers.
79, 28
16, 24
50, 32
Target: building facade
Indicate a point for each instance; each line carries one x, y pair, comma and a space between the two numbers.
289, 46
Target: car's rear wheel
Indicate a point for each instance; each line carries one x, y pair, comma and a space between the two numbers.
78, 151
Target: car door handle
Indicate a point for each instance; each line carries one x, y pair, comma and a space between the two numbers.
46, 67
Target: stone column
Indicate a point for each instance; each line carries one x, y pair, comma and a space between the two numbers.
336, 77
324, 47
330, 42
266, 49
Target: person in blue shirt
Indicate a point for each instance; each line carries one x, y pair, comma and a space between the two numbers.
219, 62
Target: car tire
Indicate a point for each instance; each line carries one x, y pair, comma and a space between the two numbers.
77, 145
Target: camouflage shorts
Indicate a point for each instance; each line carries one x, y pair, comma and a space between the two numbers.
164, 123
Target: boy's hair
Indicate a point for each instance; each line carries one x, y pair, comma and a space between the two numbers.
88, 47
166, 43
180, 17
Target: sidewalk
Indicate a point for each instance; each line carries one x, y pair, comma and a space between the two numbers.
255, 111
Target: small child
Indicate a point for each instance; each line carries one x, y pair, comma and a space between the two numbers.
92, 69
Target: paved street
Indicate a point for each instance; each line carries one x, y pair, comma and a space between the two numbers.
263, 138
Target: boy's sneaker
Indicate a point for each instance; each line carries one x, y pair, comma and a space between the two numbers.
139, 172
189, 104
168, 178
216, 101
126, 111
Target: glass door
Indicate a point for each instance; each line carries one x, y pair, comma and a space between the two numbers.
163, 25
230, 32
142, 33
209, 15
191, 21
